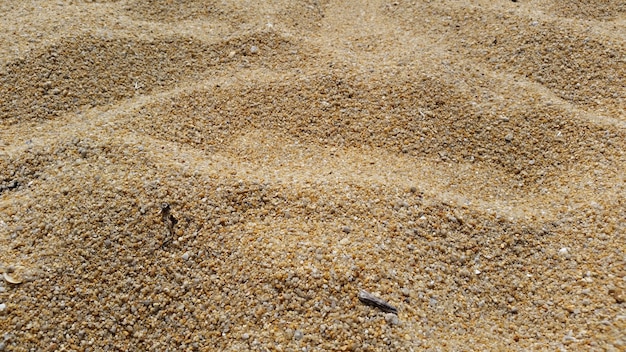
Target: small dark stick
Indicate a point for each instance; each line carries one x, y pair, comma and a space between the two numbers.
168, 219
371, 300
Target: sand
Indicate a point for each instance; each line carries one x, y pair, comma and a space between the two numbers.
463, 161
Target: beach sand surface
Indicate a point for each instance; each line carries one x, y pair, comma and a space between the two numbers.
464, 161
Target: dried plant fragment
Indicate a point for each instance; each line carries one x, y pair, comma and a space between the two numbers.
373, 301
168, 219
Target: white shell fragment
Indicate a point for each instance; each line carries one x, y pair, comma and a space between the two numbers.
373, 301
10, 279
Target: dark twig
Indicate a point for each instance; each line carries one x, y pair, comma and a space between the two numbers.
371, 300
168, 219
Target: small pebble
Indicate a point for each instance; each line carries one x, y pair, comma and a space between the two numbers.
563, 251
617, 294
508, 137
298, 335
254, 49
186, 256
2, 307
569, 339
392, 319
346, 229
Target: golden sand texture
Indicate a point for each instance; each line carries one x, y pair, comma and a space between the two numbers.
463, 161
